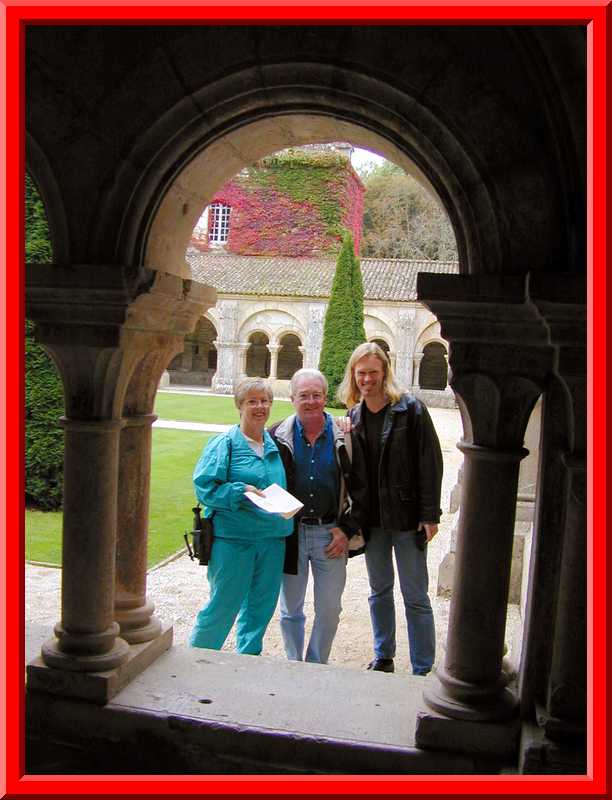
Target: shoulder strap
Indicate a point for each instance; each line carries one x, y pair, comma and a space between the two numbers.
348, 443
229, 458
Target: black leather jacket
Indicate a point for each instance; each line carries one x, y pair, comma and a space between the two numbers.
410, 469
353, 476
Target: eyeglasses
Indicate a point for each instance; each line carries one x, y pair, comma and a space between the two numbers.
255, 403
302, 397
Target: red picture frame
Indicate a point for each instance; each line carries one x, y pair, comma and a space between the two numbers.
15, 16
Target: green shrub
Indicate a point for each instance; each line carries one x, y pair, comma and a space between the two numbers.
343, 329
44, 400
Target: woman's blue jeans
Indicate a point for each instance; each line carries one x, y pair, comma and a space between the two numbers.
414, 580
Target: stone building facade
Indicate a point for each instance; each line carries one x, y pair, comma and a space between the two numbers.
269, 316
267, 244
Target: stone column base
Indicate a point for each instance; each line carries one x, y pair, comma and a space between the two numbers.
485, 739
97, 687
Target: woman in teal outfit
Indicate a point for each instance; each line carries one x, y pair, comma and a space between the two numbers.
246, 564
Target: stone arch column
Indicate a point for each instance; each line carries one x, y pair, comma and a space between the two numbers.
500, 358
243, 348
416, 368
553, 674
227, 348
273, 349
133, 610
100, 338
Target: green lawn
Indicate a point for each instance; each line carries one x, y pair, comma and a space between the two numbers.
174, 456
173, 459
208, 408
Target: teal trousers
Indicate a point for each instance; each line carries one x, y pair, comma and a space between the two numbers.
244, 579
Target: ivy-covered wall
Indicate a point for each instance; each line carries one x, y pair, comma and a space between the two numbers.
293, 203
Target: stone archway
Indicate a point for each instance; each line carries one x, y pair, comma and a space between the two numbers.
433, 369
197, 364
290, 357
258, 356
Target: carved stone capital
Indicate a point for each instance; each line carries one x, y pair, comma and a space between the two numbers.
103, 333
500, 352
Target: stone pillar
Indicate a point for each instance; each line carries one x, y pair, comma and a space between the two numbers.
472, 678
273, 349
566, 691
228, 368
314, 334
392, 360
417, 358
553, 675
133, 611
500, 358
243, 349
302, 350
104, 337
87, 636
404, 346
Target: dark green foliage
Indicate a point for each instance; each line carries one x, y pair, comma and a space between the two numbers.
44, 401
344, 328
37, 242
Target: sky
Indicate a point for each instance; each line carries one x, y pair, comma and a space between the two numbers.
361, 157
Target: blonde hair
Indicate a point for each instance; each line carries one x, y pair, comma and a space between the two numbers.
248, 384
349, 394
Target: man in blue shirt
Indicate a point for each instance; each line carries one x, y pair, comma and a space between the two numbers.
320, 473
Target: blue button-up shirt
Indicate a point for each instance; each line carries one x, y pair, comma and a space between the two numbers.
316, 471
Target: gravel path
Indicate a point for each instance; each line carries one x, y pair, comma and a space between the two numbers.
179, 587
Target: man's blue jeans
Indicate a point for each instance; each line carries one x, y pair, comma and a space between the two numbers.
329, 576
414, 579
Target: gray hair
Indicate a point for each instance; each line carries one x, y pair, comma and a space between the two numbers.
308, 372
247, 385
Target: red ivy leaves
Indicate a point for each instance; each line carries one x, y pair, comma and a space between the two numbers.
265, 221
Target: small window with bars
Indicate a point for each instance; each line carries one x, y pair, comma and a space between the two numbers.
219, 223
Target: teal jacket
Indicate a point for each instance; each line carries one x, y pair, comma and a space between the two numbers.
219, 486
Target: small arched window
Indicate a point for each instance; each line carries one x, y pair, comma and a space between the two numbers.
258, 356
289, 356
433, 373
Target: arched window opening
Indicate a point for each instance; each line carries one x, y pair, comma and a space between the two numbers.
290, 358
433, 372
382, 344
197, 363
258, 356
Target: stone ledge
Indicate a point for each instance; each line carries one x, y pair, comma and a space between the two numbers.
96, 687
209, 712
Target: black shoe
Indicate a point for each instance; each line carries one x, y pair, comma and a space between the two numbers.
382, 665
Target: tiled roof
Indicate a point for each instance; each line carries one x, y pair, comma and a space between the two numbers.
383, 278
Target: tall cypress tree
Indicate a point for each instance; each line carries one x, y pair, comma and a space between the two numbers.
343, 329
357, 288
44, 398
